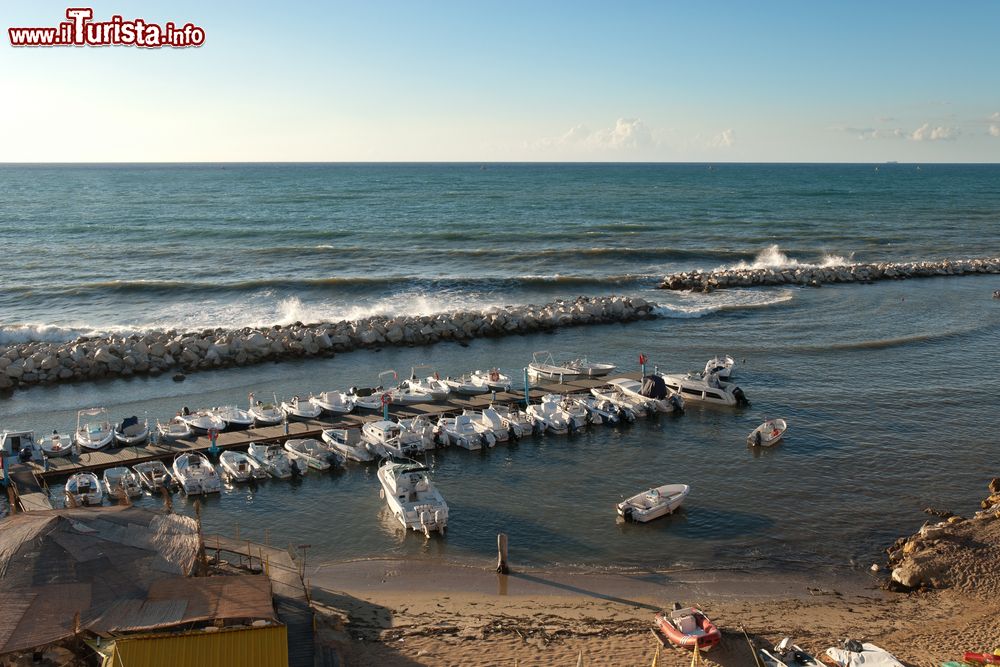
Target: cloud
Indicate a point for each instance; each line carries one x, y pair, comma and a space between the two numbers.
995, 130
940, 133
724, 139
628, 134
995, 116
871, 133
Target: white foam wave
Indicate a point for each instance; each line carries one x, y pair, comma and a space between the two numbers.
771, 257
16, 334
687, 305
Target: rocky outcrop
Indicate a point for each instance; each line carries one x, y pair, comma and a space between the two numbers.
707, 281
155, 352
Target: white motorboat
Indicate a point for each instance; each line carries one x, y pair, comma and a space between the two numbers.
275, 460
543, 367
13, 443
55, 445
630, 406
430, 384
587, 368
309, 451
301, 410
493, 379
413, 500
202, 421
787, 654
706, 388
196, 475
654, 390
234, 417
121, 482
238, 467
174, 430
265, 414
550, 417
93, 430
858, 654
599, 410
467, 385
654, 503
502, 431
410, 394
767, 434
153, 475
460, 431
374, 398
577, 416
421, 426
491, 432
515, 420
84, 489
387, 439
335, 402
132, 432
348, 443
722, 365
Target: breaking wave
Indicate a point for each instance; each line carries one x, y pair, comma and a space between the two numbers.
771, 257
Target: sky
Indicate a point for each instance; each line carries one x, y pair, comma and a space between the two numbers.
490, 81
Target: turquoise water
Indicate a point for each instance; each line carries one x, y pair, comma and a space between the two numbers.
886, 387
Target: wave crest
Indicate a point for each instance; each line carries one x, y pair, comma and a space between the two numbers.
771, 257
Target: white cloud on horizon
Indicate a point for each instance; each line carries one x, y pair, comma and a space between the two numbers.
724, 139
627, 134
940, 133
995, 130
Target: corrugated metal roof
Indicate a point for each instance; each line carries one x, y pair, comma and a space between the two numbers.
231, 647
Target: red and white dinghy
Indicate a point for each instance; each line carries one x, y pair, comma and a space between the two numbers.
688, 627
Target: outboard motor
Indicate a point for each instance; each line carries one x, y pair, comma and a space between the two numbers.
512, 433
741, 398
675, 401
627, 514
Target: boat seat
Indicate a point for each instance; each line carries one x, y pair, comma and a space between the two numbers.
686, 624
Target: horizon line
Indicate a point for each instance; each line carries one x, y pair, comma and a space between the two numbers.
477, 162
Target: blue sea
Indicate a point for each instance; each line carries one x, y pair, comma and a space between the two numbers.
887, 387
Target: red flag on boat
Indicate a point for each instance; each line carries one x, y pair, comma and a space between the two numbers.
642, 358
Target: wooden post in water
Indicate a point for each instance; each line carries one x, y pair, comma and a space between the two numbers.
502, 567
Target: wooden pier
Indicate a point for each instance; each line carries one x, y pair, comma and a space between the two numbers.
36, 475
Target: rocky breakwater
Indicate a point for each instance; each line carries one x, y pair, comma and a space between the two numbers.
156, 352
958, 553
814, 276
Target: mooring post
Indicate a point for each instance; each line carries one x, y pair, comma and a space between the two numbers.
502, 567
526, 401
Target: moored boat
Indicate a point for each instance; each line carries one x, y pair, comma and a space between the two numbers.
653, 391
196, 475
654, 503
787, 654
412, 498
467, 385
348, 442
55, 445
238, 467
549, 417
722, 365
120, 482
592, 369
387, 439
300, 410
767, 434
706, 388
93, 430
275, 460
513, 419
132, 432
84, 489
309, 451
461, 432
173, 430
234, 417
334, 402
430, 384
265, 414
493, 379
153, 475
201, 421
543, 367
688, 627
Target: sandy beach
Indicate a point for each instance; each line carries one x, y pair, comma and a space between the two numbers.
412, 612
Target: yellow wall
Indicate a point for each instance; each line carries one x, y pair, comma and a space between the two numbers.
238, 647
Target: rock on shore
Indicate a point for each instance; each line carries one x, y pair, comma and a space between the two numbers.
954, 553
707, 281
155, 352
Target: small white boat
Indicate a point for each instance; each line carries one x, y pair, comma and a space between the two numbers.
265, 414
493, 379
348, 443
654, 503
486, 428
132, 432
300, 410
55, 446
857, 654
654, 391
467, 385
459, 431
787, 654
421, 426
84, 489
121, 482
430, 384
549, 417
387, 439
409, 394
722, 365
543, 368
93, 430
153, 475
577, 416
631, 407
335, 402
196, 475
202, 421
767, 434
706, 388
234, 417
369, 398
308, 451
173, 430
413, 500
275, 460
599, 410
13, 443
238, 467
491, 419
515, 420
587, 368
